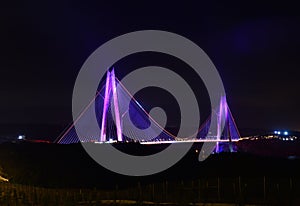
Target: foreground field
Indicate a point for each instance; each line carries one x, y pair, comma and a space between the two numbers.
49, 174
208, 191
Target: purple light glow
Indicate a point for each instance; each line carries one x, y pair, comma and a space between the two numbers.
116, 106
225, 107
222, 116
219, 120
106, 102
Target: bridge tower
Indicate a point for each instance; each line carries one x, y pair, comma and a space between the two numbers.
110, 94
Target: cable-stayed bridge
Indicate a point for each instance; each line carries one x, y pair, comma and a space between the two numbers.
113, 104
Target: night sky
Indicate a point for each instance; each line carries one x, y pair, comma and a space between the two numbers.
254, 47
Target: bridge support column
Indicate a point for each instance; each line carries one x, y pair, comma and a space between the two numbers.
110, 87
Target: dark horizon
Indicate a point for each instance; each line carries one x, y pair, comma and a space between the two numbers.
44, 47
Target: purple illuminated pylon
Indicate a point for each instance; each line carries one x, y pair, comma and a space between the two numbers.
105, 107
226, 127
116, 105
221, 117
110, 86
219, 120
222, 121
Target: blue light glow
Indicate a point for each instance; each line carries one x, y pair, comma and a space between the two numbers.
275, 132
278, 132
285, 133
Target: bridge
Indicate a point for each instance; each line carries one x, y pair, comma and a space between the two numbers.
111, 106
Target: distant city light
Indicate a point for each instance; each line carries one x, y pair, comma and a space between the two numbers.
285, 133
275, 132
278, 132
20, 137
